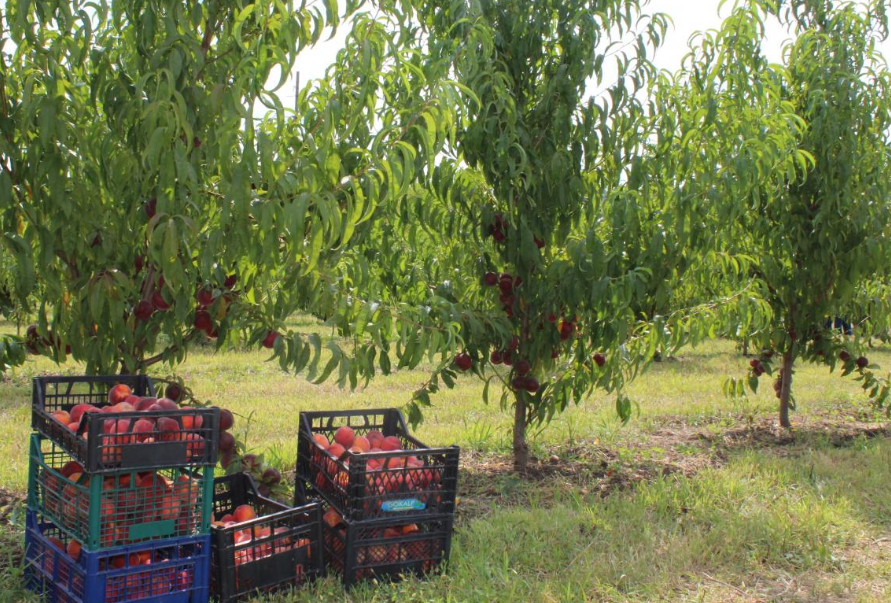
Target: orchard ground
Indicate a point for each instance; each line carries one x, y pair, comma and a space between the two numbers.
697, 499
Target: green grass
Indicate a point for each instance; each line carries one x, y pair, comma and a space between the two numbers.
743, 520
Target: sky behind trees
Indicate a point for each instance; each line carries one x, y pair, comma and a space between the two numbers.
688, 16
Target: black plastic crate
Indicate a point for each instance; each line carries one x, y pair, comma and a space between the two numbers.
282, 547
417, 480
102, 446
386, 549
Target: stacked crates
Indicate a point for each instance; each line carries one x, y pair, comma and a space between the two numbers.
280, 547
388, 512
119, 501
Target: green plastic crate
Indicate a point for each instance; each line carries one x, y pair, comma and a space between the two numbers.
108, 510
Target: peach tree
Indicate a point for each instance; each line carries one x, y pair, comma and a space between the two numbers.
815, 224
158, 194
546, 219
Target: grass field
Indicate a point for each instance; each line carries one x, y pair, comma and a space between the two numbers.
696, 499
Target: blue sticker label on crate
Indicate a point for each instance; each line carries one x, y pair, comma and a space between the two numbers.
405, 504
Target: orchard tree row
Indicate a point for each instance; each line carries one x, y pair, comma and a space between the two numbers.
451, 191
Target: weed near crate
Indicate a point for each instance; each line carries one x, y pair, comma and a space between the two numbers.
280, 547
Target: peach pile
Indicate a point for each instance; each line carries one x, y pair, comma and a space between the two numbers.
138, 584
424, 550
405, 473
259, 541
126, 500
178, 427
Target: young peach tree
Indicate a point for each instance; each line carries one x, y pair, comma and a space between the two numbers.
551, 218
155, 187
817, 234
157, 193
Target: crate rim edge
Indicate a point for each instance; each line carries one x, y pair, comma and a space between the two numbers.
283, 507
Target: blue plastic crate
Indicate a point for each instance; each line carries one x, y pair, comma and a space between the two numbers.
168, 571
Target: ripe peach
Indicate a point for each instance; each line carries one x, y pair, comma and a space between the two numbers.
226, 420
124, 426
375, 438
391, 443
168, 429
410, 528
71, 468
270, 339
336, 450
167, 404
363, 443
195, 444
174, 392
77, 412
332, 518
74, 427
73, 549
204, 296
119, 393
321, 440
192, 421
145, 403
142, 429
345, 436
123, 407
169, 507
227, 442
56, 542
244, 513
203, 321
62, 417
395, 463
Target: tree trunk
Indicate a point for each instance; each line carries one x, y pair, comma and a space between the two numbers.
786, 390
521, 451
745, 346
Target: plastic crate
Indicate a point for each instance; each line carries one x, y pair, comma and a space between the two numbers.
375, 484
196, 442
387, 549
109, 510
282, 547
171, 571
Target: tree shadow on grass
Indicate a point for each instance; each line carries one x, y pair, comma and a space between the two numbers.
769, 514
